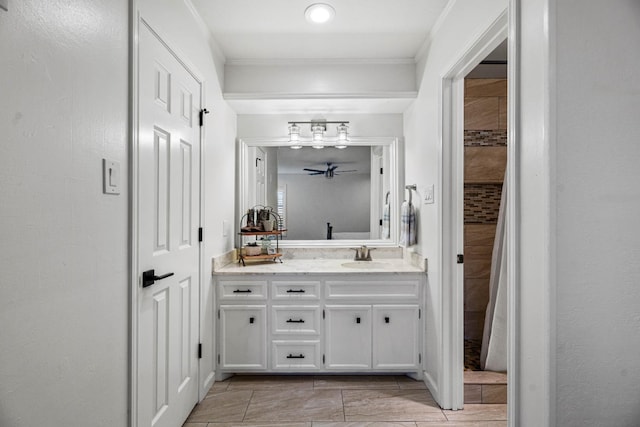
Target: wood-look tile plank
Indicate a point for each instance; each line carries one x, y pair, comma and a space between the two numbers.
473, 324
485, 87
270, 382
472, 393
479, 234
347, 382
484, 164
485, 377
476, 294
250, 424
465, 424
408, 383
504, 113
390, 405
477, 268
481, 113
478, 412
295, 405
494, 393
365, 424
223, 406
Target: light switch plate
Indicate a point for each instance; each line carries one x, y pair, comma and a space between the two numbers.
4, 4
428, 194
110, 176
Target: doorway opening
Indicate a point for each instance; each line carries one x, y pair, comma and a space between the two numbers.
484, 287
454, 256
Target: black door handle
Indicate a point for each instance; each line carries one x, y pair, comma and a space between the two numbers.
291, 356
252, 319
358, 319
149, 277
296, 291
295, 321
241, 291
386, 319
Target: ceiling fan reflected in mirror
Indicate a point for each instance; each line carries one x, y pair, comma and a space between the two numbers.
328, 173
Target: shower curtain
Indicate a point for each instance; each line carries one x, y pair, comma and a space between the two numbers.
493, 356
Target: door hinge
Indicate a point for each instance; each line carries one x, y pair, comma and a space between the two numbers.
199, 350
380, 223
323, 313
323, 359
419, 357
460, 258
200, 234
202, 113
381, 171
218, 314
218, 358
419, 313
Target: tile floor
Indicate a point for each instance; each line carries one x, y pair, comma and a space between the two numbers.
333, 401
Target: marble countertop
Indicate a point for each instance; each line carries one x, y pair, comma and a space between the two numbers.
321, 266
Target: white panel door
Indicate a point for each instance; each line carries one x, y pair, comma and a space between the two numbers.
168, 219
348, 337
395, 337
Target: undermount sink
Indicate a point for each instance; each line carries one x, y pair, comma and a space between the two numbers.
365, 264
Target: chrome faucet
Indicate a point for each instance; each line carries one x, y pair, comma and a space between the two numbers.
363, 253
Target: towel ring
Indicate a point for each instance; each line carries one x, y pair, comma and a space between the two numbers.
410, 188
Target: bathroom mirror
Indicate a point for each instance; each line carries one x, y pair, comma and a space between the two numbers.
326, 197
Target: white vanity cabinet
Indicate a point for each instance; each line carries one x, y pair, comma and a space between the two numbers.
298, 322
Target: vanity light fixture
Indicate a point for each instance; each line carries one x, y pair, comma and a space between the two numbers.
318, 137
319, 13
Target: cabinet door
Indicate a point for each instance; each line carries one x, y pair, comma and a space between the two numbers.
243, 337
348, 337
395, 337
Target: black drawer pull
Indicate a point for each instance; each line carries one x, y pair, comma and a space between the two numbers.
295, 321
386, 319
291, 356
242, 291
358, 319
296, 291
252, 319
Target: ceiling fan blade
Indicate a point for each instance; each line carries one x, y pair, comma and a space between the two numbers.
316, 173
352, 170
313, 170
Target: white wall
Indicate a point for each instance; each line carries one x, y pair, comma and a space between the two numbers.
360, 125
457, 30
64, 253
324, 77
313, 201
586, 153
185, 34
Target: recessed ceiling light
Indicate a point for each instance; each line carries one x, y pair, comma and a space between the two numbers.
319, 13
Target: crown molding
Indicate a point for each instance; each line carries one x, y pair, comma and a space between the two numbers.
311, 96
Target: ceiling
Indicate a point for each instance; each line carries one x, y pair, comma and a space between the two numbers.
353, 158
361, 29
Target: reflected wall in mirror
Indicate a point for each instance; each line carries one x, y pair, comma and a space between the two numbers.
331, 196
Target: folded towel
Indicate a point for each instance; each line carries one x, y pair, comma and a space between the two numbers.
386, 221
408, 234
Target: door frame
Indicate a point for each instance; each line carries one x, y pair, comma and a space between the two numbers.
136, 20
452, 208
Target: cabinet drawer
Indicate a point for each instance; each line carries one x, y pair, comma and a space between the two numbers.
295, 290
295, 320
243, 290
296, 355
376, 290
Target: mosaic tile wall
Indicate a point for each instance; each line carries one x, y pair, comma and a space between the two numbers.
481, 203
485, 138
